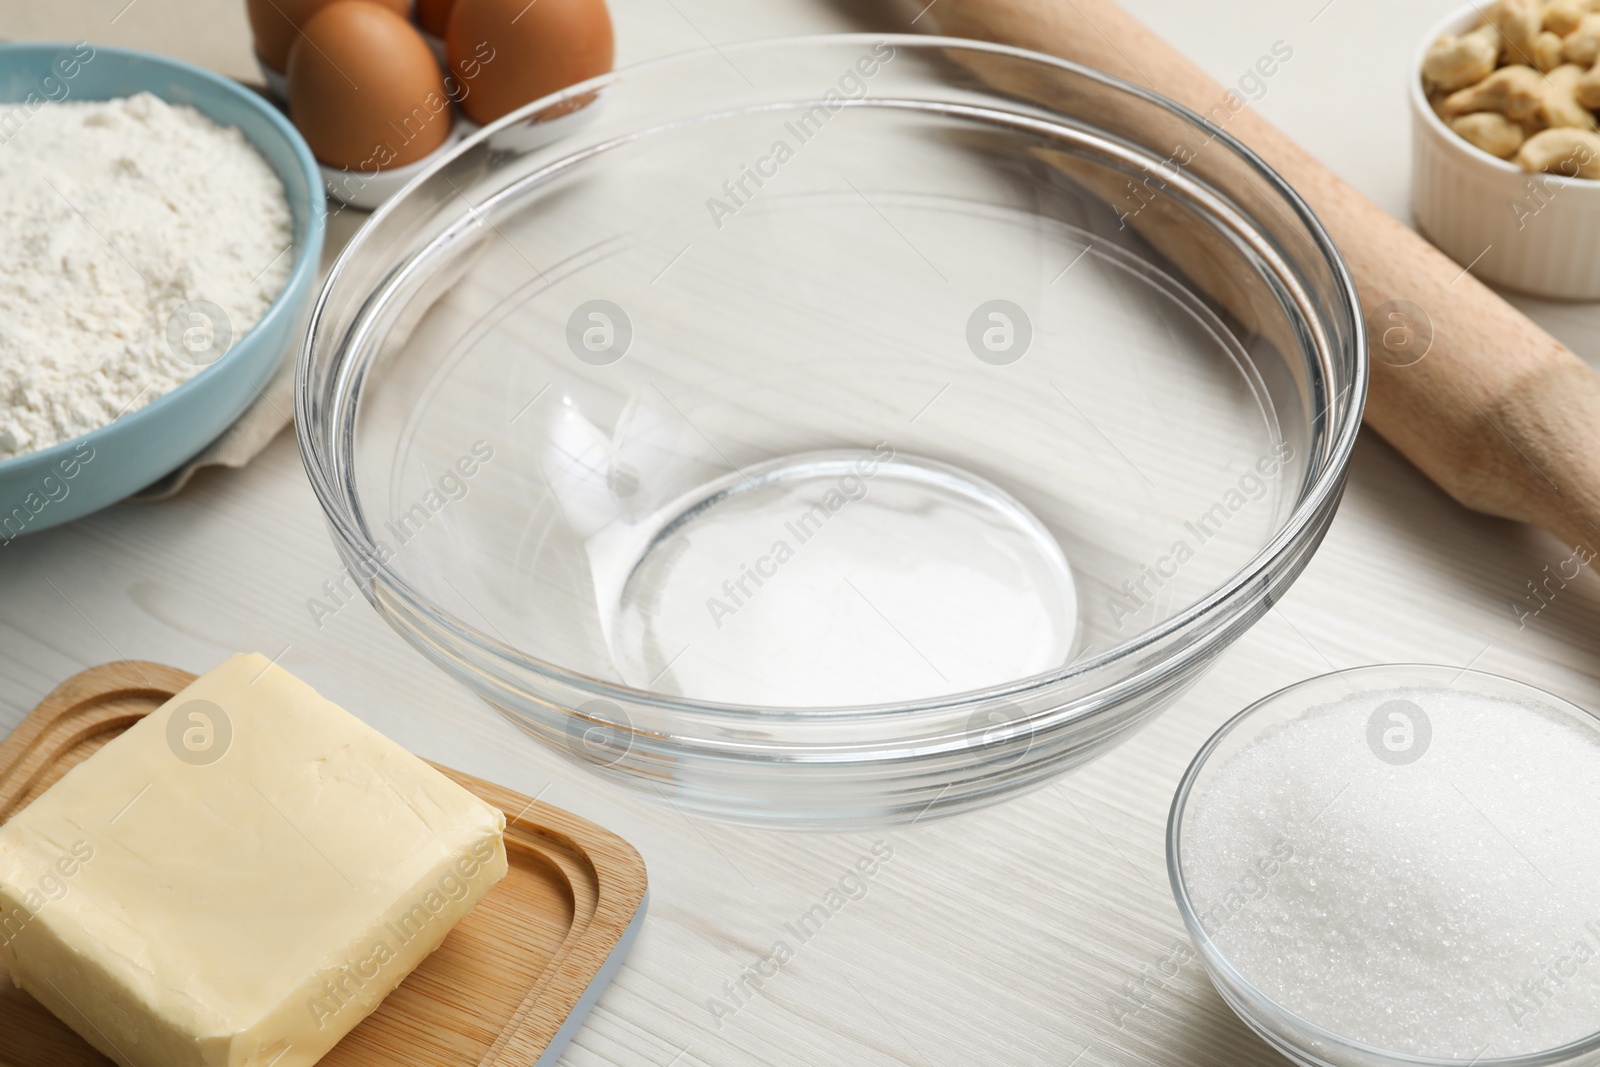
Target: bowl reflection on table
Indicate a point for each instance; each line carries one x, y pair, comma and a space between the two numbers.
837, 431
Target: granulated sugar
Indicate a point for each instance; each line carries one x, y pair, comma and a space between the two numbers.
114, 216
1444, 907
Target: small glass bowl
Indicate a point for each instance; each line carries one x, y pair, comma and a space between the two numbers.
836, 431
1300, 1040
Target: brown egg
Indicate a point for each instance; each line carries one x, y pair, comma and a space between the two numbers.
275, 23
434, 15
365, 89
507, 53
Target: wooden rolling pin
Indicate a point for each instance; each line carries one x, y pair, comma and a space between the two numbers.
1500, 414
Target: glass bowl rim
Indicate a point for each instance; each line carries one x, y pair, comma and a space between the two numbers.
1338, 443
1213, 956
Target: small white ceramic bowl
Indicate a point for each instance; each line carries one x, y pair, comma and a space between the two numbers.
1535, 233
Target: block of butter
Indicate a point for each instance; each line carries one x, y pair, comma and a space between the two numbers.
240, 878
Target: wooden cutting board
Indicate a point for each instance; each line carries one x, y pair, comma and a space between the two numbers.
507, 987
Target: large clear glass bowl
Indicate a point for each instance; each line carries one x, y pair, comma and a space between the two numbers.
835, 431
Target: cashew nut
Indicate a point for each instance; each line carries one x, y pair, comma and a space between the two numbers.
1582, 45
1516, 92
1565, 77
1524, 83
1519, 22
1490, 131
1566, 151
1561, 84
1559, 106
1561, 17
1546, 51
1587, 89
1457, 62
1524, 96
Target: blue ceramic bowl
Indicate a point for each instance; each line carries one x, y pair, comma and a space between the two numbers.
87, 473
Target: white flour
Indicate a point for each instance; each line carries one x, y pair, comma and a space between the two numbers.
112, 215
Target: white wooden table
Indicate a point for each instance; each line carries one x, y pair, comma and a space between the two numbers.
1006, 936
